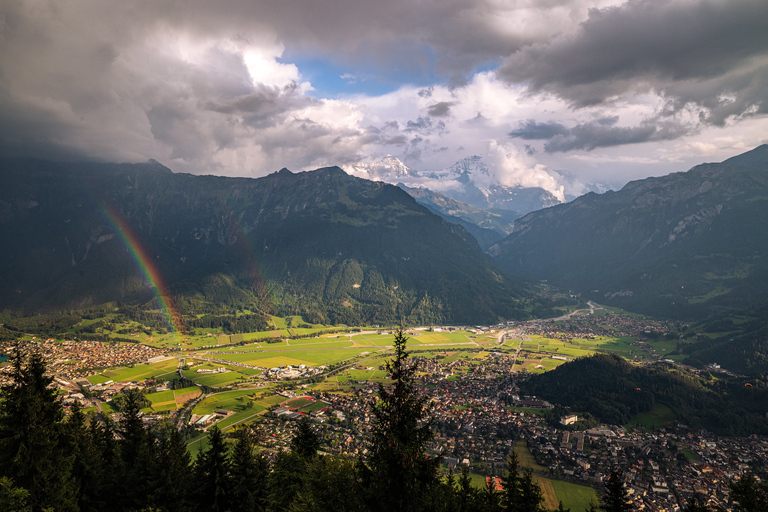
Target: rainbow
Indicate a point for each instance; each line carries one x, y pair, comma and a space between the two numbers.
147, 267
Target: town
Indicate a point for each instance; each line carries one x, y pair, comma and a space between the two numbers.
478, 414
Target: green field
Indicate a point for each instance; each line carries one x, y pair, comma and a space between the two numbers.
657, 417
215, 379
525, 459
270, 400
573, 496
229, 400
138, 372
162, 396
297, 403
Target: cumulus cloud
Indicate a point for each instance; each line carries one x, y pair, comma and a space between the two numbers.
224, 88
712, 54
511, 168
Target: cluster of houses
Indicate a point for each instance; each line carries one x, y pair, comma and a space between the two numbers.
70, 360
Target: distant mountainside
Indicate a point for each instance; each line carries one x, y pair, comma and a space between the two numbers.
487, 226
322, 244
469, 181
684, 245
613, 390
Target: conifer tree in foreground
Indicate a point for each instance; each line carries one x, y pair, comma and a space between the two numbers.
33, 441
521, 493
616, 498
400, 474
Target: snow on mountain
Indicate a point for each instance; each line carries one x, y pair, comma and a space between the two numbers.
469, 180
389, 169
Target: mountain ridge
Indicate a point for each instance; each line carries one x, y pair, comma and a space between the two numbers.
689, 241
320, 243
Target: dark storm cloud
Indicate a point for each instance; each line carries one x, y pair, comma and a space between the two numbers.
440, 109
708, 53
531, 130
597, 134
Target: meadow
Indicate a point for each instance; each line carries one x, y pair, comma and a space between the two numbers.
657, 417
137, 372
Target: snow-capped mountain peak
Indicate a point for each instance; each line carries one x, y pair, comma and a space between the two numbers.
389, 169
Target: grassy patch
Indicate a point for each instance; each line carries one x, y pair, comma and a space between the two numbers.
657, 417
548, 491
229, 400
525, 459
140, 371
162, 396
573, 496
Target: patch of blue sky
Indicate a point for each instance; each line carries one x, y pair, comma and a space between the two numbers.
332, 80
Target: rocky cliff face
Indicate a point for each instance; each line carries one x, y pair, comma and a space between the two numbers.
686, 242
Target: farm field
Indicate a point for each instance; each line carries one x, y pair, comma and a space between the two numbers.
137, 372
172, 400
230, 400
214, 379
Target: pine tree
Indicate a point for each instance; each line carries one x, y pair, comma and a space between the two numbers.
133, 485
248, 474
305, 441
521, 493
329, 484
511, 484
211, 469
170, 475
492, 495
531, 495
12, 499
32, 437
749, 495
616, 497
467, 494
401, 474
88, 468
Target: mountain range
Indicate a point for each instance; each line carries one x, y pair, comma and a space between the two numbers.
323, 244
470, 181
687, 245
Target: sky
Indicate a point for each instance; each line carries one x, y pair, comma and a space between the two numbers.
556, 93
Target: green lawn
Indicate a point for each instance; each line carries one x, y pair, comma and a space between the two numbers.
298, 403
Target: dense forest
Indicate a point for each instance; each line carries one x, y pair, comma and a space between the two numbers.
611, 389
